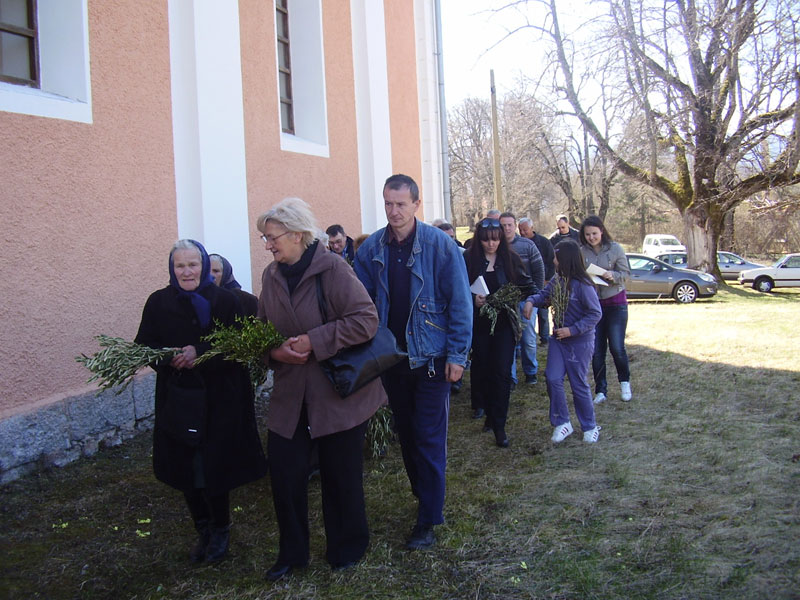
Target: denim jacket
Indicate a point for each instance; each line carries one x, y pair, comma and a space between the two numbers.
440, 319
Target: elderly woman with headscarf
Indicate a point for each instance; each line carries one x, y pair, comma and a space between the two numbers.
222, 270
304, 405
226, 452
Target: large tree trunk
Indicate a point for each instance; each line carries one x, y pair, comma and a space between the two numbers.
701, 235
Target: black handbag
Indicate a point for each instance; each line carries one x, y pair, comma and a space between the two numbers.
352, 368
185, 411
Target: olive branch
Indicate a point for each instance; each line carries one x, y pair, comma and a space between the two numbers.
119, 360
559, 299
506, 299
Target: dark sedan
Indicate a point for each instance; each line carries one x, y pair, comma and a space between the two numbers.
653, 278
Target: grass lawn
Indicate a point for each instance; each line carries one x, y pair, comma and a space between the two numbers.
691, 492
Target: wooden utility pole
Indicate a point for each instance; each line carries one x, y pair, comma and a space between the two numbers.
498, 186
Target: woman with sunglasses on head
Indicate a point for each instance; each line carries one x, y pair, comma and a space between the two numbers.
576, 311
491, 257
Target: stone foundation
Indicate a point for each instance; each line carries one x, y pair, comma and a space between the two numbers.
77, 426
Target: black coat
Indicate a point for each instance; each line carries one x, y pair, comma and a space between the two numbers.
231, 453
546, 250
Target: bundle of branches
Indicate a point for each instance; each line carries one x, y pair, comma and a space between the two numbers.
559, 299
245, 342
507, 300
119, 361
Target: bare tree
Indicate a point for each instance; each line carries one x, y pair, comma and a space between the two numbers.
715, 80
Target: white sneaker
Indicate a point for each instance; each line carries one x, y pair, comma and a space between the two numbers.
591, 436
599, 397
625, 390
561, 432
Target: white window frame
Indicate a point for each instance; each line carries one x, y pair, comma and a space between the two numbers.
65, 91
308, 81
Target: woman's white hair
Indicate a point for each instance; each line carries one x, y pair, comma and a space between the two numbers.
184, 245
296, 216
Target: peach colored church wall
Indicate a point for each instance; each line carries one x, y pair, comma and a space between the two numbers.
329, 185
403, 95
88, 210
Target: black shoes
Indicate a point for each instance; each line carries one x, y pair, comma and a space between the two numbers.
422, 537
531, 379
218, 543
501, 439
477, 413
198, 553
279, 571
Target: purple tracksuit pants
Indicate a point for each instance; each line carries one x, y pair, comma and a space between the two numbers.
570, 357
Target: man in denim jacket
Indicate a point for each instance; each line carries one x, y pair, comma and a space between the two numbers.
417, 278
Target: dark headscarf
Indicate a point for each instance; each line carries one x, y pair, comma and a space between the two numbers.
228, 281
202, 307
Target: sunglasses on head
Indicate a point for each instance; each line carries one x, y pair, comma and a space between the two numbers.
487, 223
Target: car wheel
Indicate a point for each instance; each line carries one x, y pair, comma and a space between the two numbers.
685, 292
763, 284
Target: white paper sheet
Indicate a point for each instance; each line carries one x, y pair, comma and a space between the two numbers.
479, 287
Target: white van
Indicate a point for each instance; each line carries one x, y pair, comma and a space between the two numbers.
661, 243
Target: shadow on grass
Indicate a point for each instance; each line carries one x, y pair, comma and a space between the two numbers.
690, 493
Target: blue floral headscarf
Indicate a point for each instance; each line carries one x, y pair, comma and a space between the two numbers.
202, 307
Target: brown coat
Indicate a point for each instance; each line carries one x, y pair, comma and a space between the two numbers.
352, 319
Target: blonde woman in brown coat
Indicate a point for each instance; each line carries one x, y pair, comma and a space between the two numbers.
304, 405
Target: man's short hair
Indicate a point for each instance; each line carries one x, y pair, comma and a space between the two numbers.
526, 221
334, 230
445, 226
508, 214
400, 181
562, 218
493, 213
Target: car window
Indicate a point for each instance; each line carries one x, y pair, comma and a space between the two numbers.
640, 264
670, 242
793, 263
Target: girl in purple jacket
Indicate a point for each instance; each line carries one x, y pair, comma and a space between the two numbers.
576, 310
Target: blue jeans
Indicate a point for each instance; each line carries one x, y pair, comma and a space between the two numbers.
421, 406
610, 334
527, 346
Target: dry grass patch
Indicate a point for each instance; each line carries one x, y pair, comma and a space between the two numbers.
690, 493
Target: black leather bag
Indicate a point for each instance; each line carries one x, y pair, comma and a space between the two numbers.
185, 411
352, 368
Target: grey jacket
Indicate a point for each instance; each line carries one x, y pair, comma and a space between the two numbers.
531, 260
610, 257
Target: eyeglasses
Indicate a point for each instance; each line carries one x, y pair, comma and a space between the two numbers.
487, 223
268, 239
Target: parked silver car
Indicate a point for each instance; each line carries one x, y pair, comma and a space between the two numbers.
653, 278
730, 264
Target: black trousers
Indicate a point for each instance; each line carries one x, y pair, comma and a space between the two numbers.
204, 508
490, 378
341, 458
